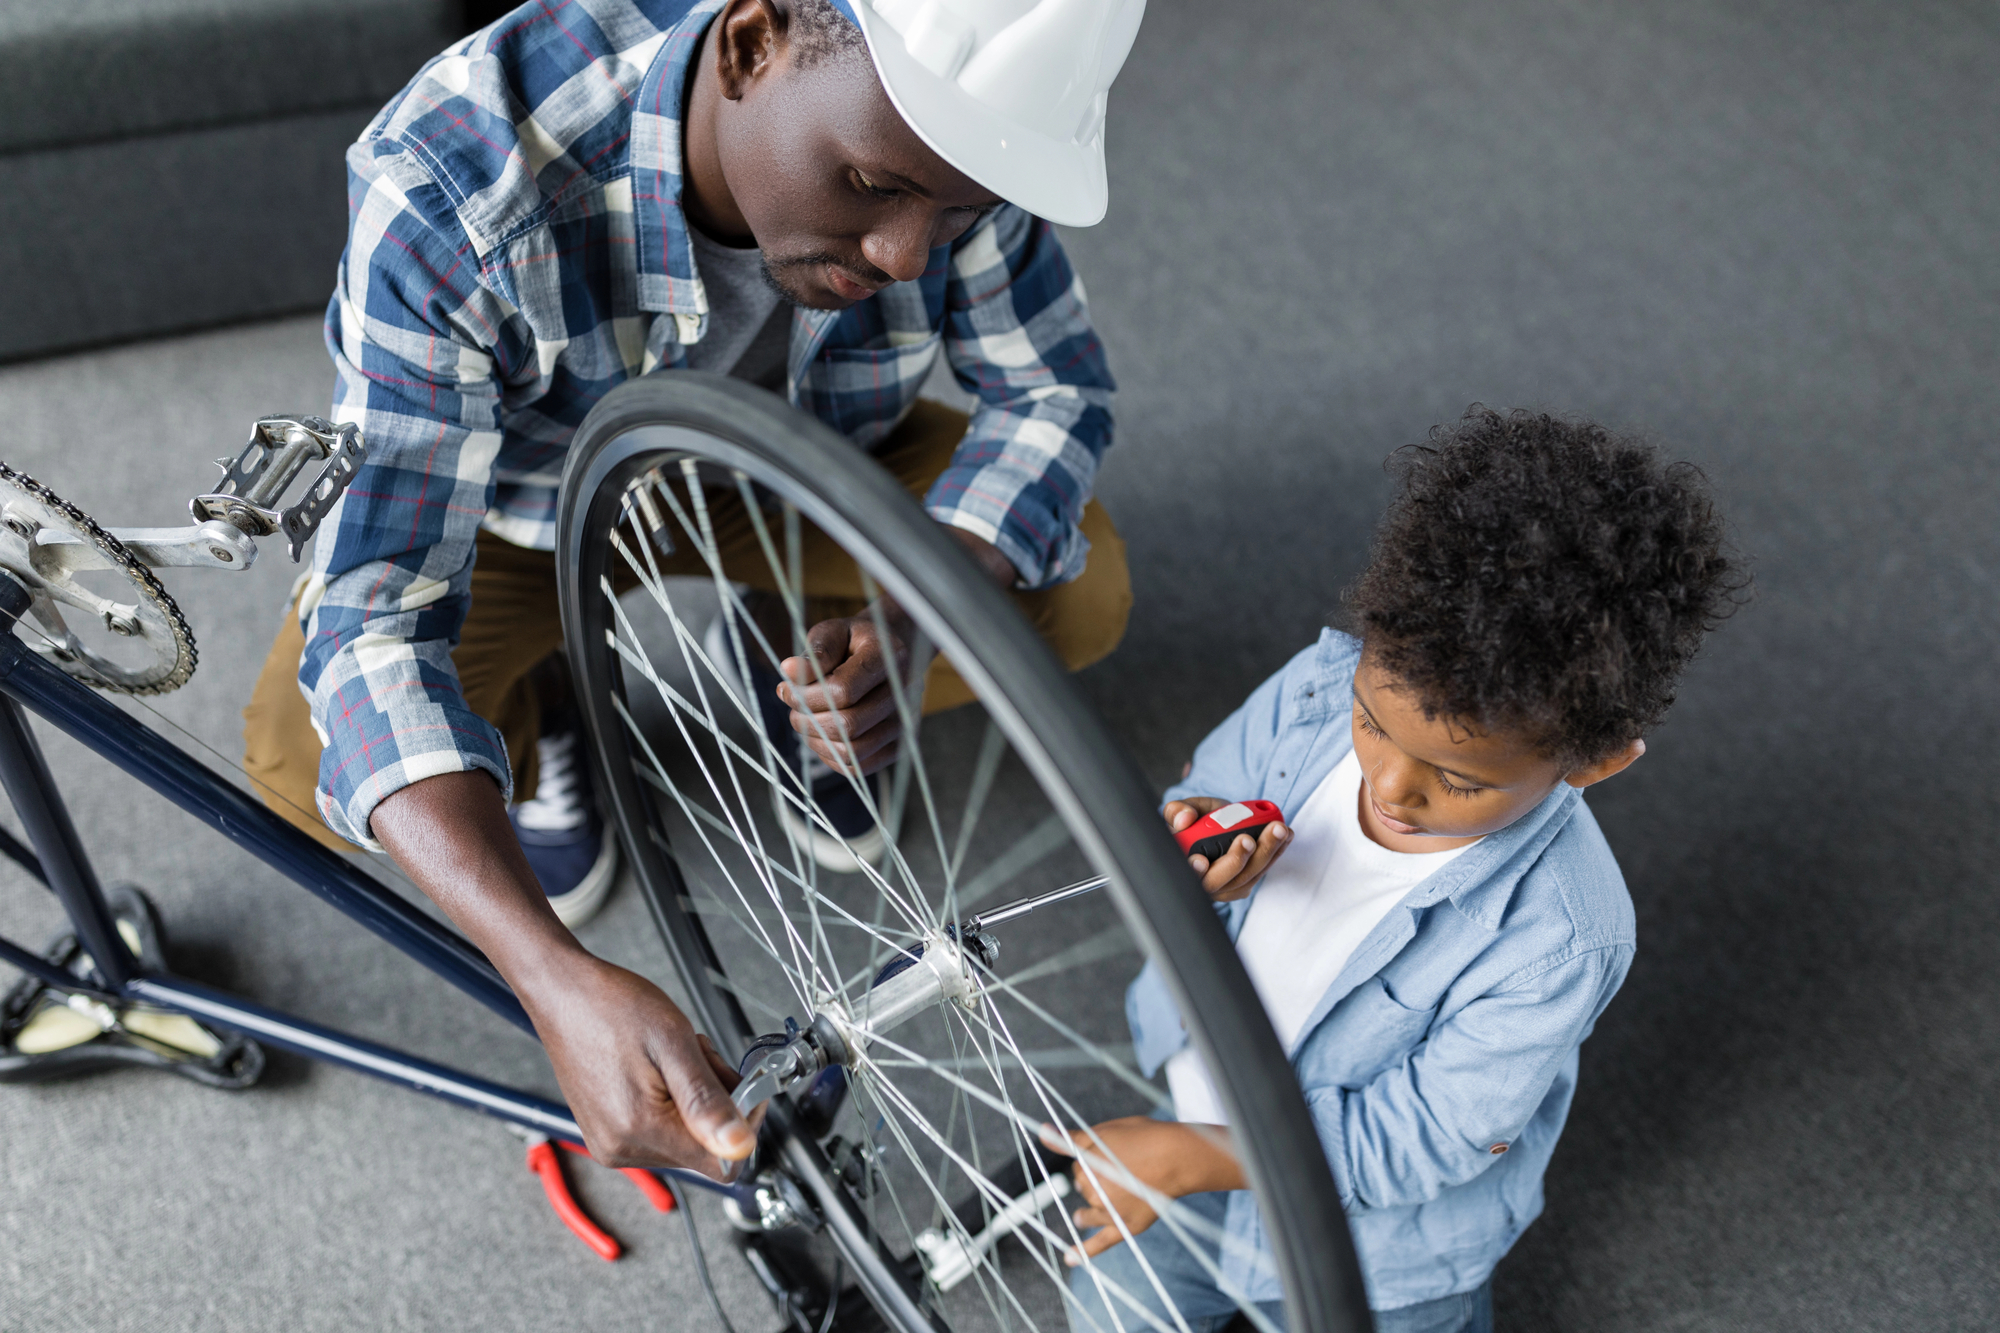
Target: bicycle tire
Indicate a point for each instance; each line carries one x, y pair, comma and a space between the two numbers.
721, 426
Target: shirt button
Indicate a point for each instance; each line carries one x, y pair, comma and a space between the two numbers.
1497, 1149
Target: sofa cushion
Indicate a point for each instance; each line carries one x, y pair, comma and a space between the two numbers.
130, 238
79, 71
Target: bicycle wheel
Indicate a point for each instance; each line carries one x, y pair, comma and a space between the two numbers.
698, 519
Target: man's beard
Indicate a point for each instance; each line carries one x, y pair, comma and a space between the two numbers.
778, 285
777, 276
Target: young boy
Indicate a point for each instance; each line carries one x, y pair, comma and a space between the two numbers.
1446, 922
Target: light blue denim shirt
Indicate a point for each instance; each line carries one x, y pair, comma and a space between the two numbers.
1440, 1064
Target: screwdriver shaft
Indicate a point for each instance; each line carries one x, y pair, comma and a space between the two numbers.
1026, 905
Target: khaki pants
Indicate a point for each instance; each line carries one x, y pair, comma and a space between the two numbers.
512, 624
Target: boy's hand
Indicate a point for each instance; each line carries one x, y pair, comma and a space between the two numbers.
1164, 1155
1233, 874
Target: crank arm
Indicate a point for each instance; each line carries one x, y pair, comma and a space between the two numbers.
211, 545
48, 598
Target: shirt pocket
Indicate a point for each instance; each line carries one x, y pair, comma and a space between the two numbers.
862, 392
1372, 1031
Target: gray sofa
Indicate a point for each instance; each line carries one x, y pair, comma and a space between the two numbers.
170, 164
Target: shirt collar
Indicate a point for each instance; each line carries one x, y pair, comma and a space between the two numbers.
1482, 882
665, 255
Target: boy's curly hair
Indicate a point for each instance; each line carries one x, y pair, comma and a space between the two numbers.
1545, 574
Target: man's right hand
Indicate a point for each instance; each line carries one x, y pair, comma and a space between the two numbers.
645, 1088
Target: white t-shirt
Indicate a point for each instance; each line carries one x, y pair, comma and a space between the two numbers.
1326, 893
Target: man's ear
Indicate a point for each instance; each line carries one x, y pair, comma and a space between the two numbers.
750, 37
1609, 766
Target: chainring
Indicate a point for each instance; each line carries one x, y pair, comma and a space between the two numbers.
152, 621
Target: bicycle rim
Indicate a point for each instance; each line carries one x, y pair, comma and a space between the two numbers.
1022, 791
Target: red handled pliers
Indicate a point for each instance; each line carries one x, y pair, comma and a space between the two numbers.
544, 1162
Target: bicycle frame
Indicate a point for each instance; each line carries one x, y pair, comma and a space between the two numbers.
57, 858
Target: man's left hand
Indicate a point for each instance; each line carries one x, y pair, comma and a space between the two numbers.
842, 701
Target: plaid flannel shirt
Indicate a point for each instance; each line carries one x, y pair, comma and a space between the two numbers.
516, 248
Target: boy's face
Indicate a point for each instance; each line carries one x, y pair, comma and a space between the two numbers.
1431, 783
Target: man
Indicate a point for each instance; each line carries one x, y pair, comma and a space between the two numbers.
804, 195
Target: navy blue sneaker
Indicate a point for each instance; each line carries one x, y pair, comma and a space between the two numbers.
834, 798
572, 849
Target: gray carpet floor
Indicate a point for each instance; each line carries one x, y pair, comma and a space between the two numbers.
1760, 232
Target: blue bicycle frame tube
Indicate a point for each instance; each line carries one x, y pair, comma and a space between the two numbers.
322, 1043
22, 855
65, 868
173, 773
57, 858
46, 972
315, 1042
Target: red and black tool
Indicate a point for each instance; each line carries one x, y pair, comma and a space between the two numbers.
543, 1161
1212, 834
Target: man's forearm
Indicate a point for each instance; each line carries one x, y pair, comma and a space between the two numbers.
996, 566
450, 834
645, 1089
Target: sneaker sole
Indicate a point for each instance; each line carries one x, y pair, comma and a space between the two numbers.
828, 852
584, 901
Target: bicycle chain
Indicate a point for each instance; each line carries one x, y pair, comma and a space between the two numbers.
149, 585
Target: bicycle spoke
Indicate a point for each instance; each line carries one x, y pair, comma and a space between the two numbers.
1025, 1125
913, 751
1035, 846
1054, 1058
1095, 1052
992, 748
736, 615
1171, 1211
1107, 943
684, 706
660, 773
756, 844
655, 775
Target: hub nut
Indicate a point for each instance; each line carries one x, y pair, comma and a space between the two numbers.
781, 1204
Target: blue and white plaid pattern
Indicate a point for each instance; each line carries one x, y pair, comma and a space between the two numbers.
516, 249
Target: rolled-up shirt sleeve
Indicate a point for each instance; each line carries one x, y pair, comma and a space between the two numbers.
1018, 337
418, 346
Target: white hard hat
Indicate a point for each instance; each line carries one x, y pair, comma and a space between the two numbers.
1011, 92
